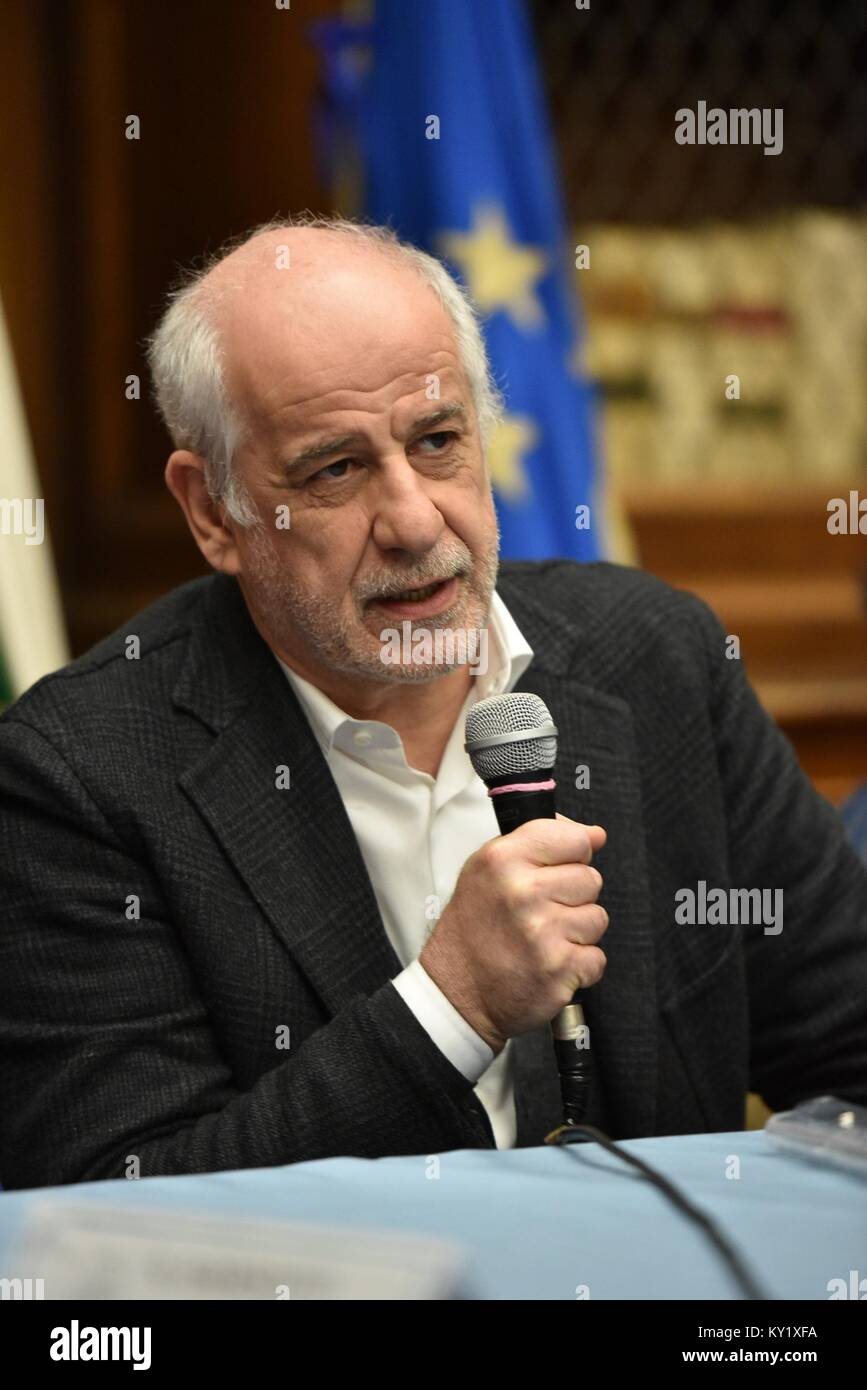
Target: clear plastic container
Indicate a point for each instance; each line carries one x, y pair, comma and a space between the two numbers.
825, 1128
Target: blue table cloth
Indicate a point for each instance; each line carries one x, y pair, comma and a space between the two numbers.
541, 1223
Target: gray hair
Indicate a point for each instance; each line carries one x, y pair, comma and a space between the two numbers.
186, 356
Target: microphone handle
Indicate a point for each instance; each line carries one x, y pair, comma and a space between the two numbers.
514, 808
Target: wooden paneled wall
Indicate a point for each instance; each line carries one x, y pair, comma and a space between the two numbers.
792, 592
93, 227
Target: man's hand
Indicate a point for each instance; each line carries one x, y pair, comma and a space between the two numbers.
519, 934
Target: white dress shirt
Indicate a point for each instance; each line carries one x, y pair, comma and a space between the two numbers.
415, 833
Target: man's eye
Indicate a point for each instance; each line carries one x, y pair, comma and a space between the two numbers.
442, 439
326, 473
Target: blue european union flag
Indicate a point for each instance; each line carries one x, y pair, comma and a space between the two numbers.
448, 117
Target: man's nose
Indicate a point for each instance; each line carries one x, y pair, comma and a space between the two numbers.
405, 517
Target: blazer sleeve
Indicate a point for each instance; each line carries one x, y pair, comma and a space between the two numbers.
807, 984
107, 1054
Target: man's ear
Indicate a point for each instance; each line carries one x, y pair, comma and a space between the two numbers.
185, 480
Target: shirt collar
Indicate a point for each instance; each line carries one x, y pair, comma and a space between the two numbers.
508, 658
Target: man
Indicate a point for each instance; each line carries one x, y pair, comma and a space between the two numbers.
256, 907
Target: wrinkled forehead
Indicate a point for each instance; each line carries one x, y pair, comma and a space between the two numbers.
329, 327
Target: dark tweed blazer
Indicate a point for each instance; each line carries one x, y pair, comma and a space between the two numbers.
155, 1034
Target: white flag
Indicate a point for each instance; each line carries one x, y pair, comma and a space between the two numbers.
32, 636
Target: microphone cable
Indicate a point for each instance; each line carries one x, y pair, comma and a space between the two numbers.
736, 1264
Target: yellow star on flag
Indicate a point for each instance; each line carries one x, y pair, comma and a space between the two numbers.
515, 436
500, 273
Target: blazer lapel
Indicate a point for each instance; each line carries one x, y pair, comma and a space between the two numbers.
596, 732
295, 846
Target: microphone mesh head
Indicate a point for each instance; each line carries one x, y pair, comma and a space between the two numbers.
504, 714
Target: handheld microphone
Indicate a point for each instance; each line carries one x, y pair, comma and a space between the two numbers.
512, 744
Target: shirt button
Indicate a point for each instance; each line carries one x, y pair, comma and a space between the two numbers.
363, 737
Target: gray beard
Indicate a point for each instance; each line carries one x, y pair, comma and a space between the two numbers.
346, 645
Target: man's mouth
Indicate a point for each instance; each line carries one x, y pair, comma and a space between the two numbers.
415, 595
422, 600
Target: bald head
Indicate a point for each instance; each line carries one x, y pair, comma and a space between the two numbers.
259, 304
302, 312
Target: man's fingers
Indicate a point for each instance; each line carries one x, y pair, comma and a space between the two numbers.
590, 965
570, 884
560, 841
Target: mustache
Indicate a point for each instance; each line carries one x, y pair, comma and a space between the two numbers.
393, 584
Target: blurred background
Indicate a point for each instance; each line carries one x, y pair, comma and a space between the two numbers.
702, 265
